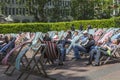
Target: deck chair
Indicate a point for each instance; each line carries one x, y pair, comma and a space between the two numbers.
98, 34
35, 62
51, 53
115, 55
36, 41
10, 58
91, 31
7, 48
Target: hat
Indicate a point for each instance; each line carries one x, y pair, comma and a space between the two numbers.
85, 32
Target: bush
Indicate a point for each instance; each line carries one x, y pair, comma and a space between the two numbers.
44, 27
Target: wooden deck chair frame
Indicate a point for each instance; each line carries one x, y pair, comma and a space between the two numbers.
113, 55
38, 62
11, 63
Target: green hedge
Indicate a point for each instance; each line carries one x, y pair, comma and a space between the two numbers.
44, 27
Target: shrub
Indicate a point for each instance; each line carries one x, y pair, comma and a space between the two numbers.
44, 27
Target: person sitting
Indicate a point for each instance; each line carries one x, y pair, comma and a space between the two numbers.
47, 38
106, 48
61, 46
83, 47
56, 37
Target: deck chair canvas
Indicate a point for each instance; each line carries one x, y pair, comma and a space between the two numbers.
51, 53
35, 62
115, 55
10, 58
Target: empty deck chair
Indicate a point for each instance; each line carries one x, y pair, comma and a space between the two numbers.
10, 58
51, 53
17, 49
35, 62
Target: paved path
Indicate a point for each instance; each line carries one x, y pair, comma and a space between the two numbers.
75, 70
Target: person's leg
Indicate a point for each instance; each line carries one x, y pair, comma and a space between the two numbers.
76, 50
97, 57
92, 53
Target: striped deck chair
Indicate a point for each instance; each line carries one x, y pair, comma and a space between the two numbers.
98, 34
108, 34
10, 58
7, 48
115, 36
12, 55
35, 63
51, 53
115, 55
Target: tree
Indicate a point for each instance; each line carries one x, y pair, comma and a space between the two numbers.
82, 9
36, 8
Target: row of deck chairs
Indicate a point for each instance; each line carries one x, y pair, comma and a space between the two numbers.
43, 52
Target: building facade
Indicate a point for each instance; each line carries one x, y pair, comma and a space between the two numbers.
17, 9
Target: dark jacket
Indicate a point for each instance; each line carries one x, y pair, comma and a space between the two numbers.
46, 38
89, 45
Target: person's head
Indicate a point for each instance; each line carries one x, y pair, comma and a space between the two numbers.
115, 41
85, 33
107, 39
75, 33
56, 33
6, 39
90, 37
46, 34
69, 32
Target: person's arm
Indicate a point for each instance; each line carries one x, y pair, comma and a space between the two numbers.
91, 43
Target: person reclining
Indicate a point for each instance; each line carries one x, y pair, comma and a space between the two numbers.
83, 47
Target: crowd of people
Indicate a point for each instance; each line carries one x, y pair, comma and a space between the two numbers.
85, 43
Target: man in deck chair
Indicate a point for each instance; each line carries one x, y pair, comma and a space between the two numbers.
83, 47
105, 49
95, 53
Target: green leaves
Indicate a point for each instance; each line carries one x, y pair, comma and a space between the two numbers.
45, 27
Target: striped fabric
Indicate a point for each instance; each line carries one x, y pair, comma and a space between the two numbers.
98, 34
51, 51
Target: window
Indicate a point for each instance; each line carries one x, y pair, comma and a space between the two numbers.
24, 11
20, 11
6, 10
13, 11
12, 1
9, 11
17, 13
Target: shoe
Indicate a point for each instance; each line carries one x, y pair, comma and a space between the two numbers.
60, 64
95, 64
76, 59
89, 63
